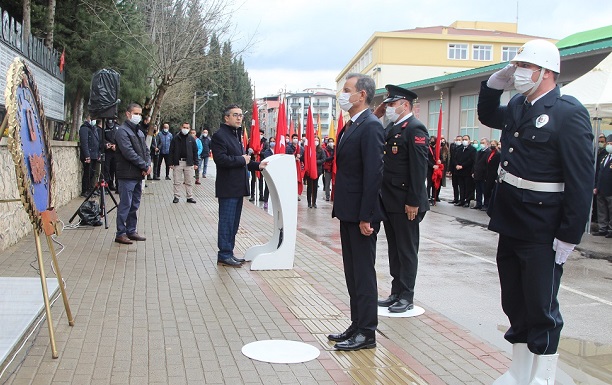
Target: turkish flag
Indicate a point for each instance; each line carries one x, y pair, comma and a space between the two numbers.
255, 142
62, 60
281, 129
310, 150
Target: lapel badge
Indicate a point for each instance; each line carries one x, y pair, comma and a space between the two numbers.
394, 150
541, 120
398, 136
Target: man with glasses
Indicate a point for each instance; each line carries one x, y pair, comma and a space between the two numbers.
232, 183
541, 204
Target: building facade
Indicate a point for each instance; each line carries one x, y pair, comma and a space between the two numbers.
421, 53
322, 102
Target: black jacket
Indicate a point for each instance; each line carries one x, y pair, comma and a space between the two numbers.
464, 157
604, 177
133, 157
90, 141
480, 165
359, 164
191, 149
232, 178
551, 142
405, 169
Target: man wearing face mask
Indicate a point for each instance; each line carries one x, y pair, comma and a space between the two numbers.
404, 195
456, 145
541, 204
183, 162
465, 156
165, 137
133, 165
601, 153
205, 139
359, 166
603, 191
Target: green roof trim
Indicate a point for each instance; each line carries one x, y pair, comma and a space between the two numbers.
586, 37
474, 72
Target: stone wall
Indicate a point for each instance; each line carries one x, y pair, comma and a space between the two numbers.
14, 222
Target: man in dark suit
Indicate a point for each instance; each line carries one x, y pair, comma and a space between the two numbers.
232, 182
541, 203
403, 192
89, 142
359, 163
452, 163
603, 191
465, 156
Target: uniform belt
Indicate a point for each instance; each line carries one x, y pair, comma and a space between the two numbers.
505, 176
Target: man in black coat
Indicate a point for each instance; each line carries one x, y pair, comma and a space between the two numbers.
89, 143
541, 204
133, 164
357, 205
603, 191
183, 160
465, 155
480, 173
232, 182
404, 195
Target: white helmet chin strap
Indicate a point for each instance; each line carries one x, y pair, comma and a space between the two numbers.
537, 84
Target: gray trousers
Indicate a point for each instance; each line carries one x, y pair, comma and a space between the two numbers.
604, 212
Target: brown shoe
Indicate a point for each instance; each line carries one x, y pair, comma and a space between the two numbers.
124, 240
136, 237
197, 181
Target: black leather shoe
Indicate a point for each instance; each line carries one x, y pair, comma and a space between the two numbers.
459, 204
239, 260
228, 262
357, 342
476, 208
389, 301
252, 199
401, 306
345, 335
175, 200
191, 200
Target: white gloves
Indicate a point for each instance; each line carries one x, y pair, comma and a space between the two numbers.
502, 79
563, 250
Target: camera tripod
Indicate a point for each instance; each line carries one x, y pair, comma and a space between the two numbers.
101, 187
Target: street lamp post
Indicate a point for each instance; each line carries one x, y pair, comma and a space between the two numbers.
207, 95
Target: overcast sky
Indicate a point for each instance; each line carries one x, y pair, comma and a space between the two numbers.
300, 44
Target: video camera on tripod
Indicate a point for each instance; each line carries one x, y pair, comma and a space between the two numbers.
103, 102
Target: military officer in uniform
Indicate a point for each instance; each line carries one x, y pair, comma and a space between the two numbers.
403, 192
541, 205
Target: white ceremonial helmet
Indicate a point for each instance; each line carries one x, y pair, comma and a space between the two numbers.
540, 52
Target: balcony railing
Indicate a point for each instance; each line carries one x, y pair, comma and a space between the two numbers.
320, 105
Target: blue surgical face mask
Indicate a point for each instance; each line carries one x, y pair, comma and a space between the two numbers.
272, 144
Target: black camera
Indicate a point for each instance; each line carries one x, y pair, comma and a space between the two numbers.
103, 95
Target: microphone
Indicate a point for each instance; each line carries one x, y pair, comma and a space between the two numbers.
250, 151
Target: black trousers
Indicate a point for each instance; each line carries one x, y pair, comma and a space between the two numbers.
259, 182
403, 243
466, 188
530, 280
311, 191
455, 182
89, 173
110, 168
358, 256
166, 159
156, 161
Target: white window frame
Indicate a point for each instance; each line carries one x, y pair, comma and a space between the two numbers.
458, 48
468, 116
480, 50
506, 50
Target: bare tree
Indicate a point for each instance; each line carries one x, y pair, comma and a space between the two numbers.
177, 36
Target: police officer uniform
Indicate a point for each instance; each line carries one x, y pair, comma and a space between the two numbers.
544, 193
404, 176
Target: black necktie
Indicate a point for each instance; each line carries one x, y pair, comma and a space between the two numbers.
346, 129
526, 107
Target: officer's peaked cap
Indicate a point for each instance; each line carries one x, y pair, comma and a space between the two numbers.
396, 93
609, 138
